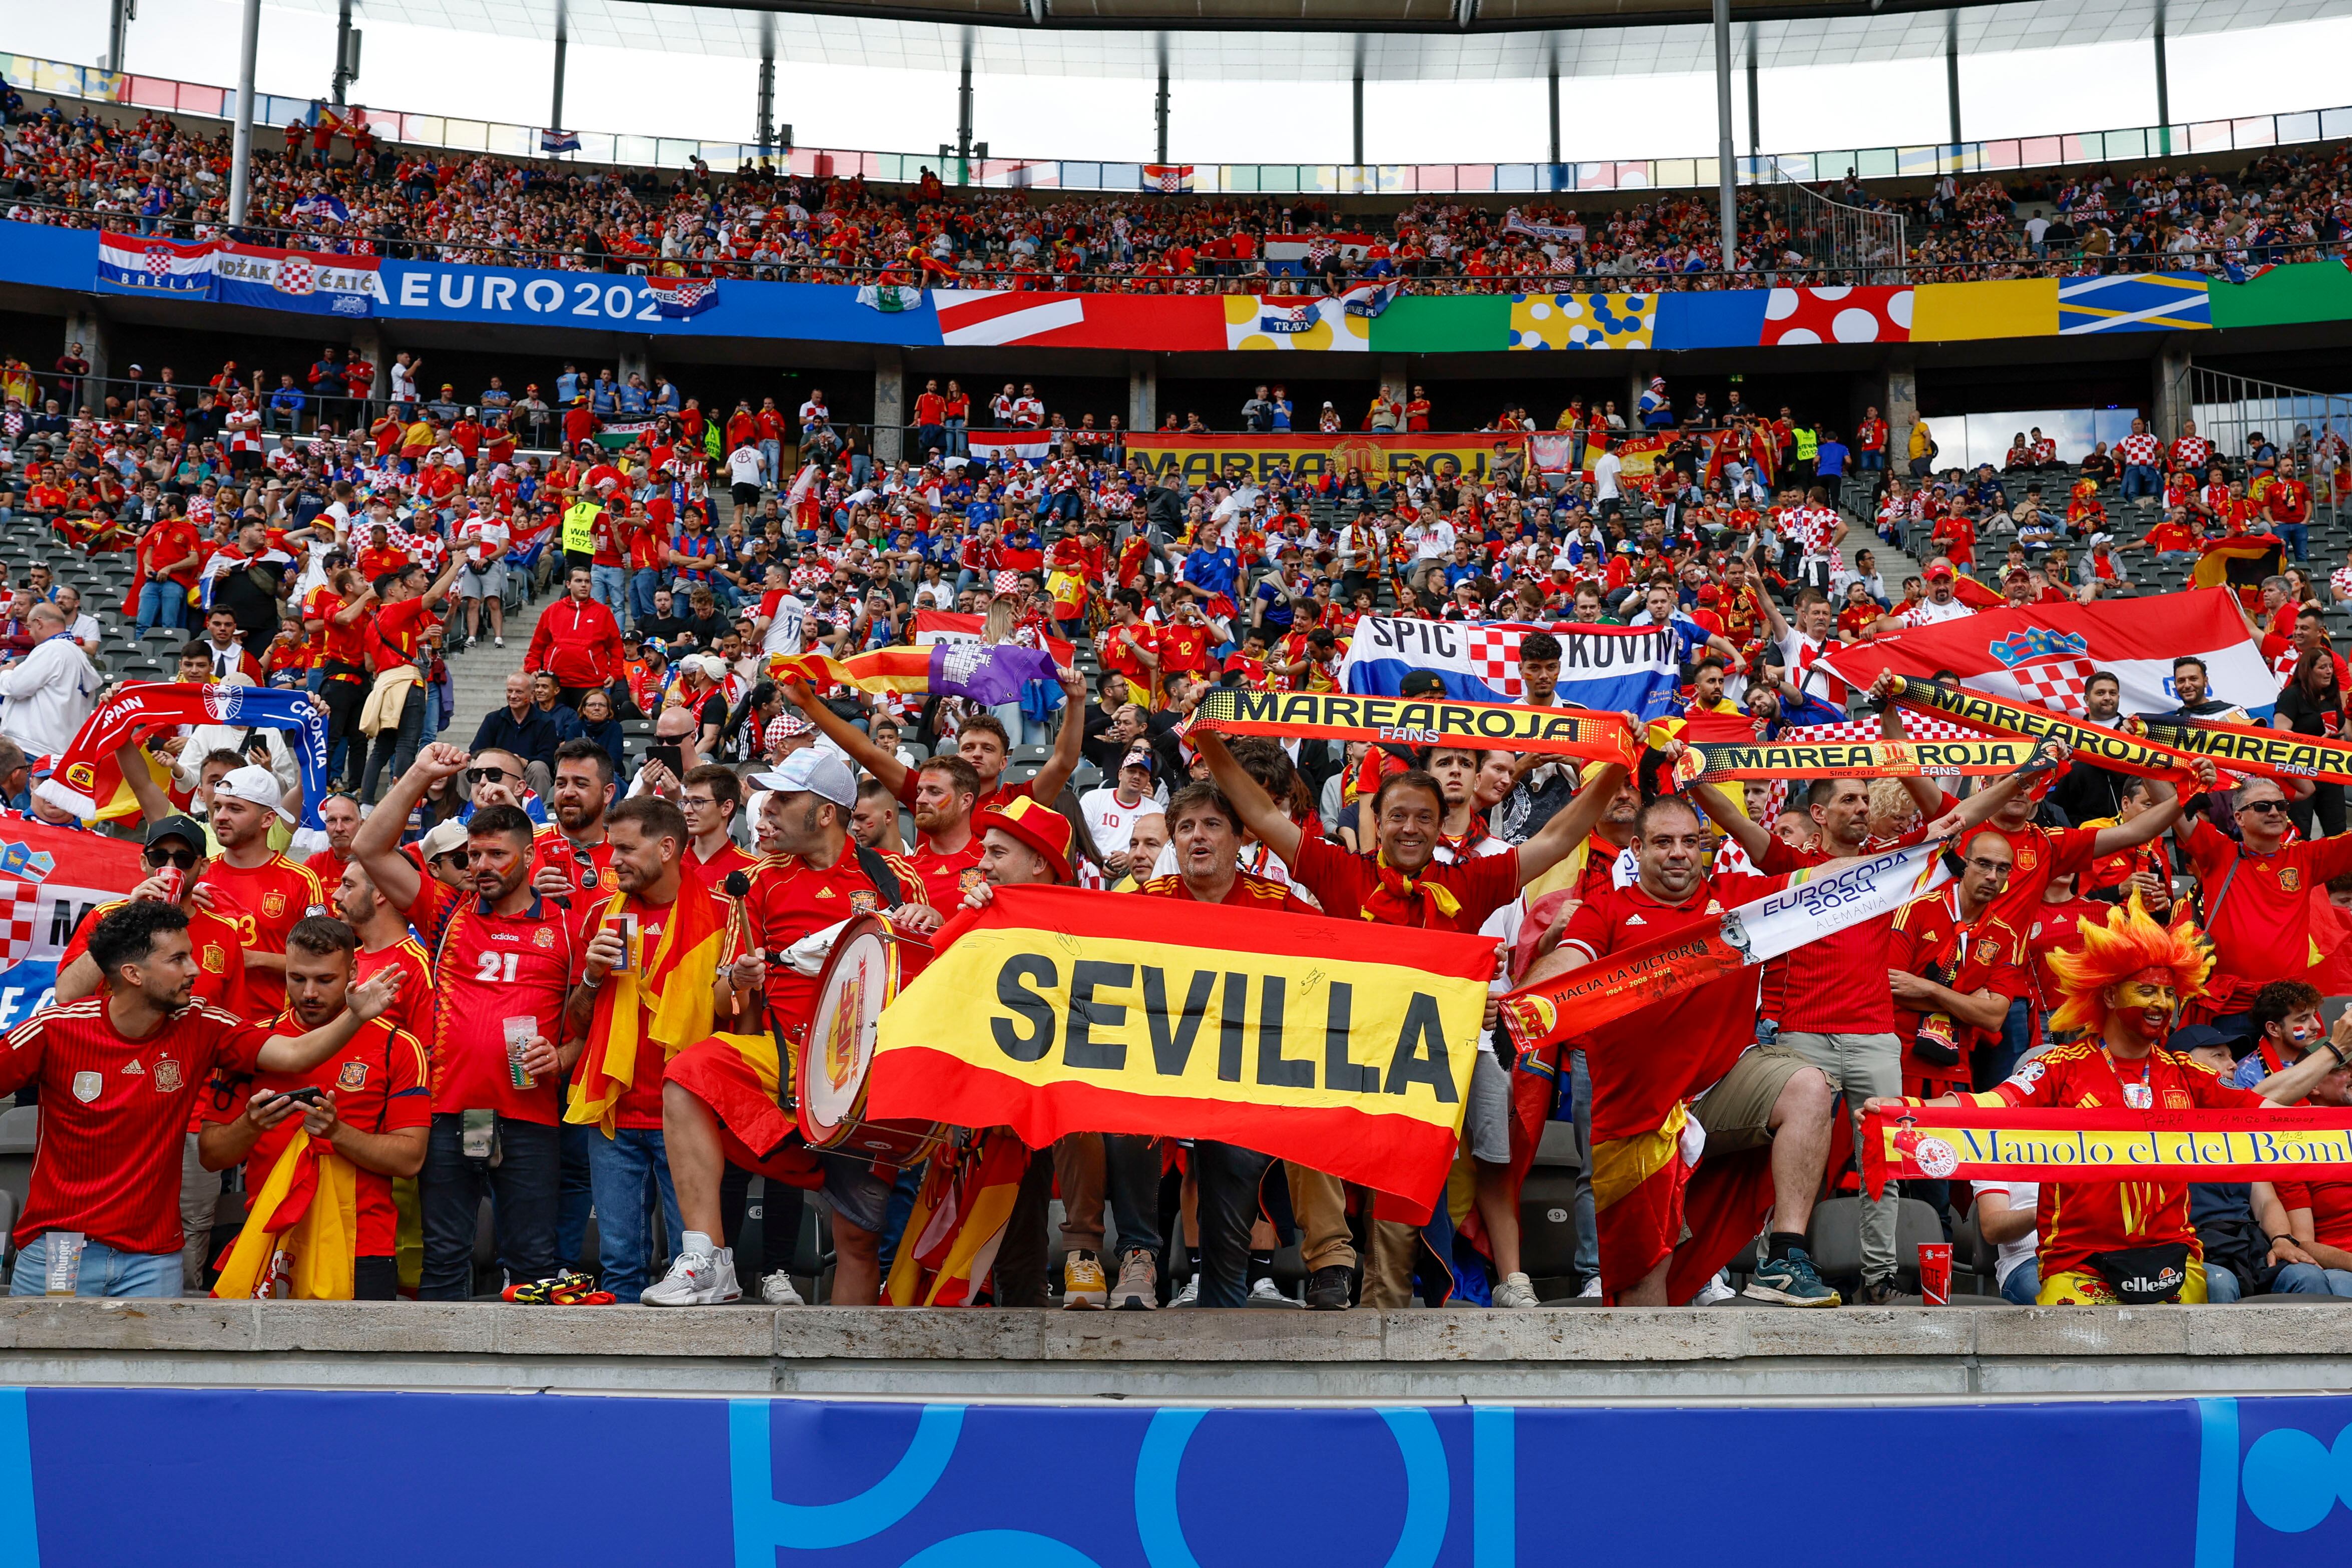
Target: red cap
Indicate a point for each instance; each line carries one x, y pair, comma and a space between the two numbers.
1041, 828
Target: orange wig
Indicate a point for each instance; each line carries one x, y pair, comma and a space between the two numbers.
2129, 945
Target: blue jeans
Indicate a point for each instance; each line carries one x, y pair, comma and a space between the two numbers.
2296, 537
771, 458
575, 1192
1588, 1227
608, 585
161, 604
1992, 1062
643, 583
2025, 1283
105, 1272
2221, 1286
624, 1171
398, 744
521, 1189
1869, 462
2305, 1279
959, 437
2140, 480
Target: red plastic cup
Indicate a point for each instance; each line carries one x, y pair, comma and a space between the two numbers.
176, 882
1936, 1273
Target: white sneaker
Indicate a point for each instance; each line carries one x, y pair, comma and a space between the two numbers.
1591, 1292
695, 1280
1191, 1295
497, 642
1716, 1290
777, 1290
1517, 1292
1267, 1293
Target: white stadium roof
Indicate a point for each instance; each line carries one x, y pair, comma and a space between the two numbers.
1332, 40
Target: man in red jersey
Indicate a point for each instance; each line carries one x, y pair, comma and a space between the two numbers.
339, 814
948, 844
569, 856
1206, 832
395, 647
719, 1104
501, 952
372, 1111
645, 995
265, 893
712, 797
2255, 892
1826, 1002
386, 942
2104, 1242
119, 1074
1749, 1096
2038, 854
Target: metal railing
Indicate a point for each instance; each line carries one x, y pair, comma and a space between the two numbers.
2197, 139
2231, 410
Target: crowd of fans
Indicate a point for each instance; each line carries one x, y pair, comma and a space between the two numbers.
697, 549
334, 187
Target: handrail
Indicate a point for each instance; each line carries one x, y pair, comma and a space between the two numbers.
2197, 139
2208, 259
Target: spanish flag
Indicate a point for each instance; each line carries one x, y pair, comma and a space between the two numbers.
671, 981
304, 1226
958, 1222
1057, 1010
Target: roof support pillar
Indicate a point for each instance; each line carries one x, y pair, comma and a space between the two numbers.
240, 174
1160, 112
562, 37
1359, 159
1755, 115
2163, 90
767, 82
1554, 111
1727, 161
963, 121
1952, 73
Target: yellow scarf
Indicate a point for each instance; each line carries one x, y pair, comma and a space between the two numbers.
676, 978
307, 1211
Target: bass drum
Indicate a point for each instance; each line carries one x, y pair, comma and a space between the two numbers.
871, 958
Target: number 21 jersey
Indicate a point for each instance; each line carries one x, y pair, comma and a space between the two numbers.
487, 968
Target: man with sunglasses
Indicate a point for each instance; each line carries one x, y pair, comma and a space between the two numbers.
521, 727
500, 949
498, 777
2254, 893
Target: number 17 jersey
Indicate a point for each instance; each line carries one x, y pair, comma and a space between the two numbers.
486, 968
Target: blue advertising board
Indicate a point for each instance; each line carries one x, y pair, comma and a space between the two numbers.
95, 1477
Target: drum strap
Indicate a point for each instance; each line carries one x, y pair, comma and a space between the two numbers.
877, 871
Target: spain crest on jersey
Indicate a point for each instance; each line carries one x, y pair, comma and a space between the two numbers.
273, 904
544, 937
351, 1075
2291, 880
865, 902
215, 958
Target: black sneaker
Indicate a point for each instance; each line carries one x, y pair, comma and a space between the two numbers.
1883, 1293
1327, 1290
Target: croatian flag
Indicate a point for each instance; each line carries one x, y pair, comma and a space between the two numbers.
1168, 179
2047, 654
1370, 299
136, 264
1028, 447
675, 299
320, 204
559, 141
1611, 670
298, 281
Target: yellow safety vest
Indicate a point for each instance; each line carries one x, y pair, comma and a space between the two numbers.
1807, 444
579, 525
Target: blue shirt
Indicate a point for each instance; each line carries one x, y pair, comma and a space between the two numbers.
567, 388
1213, 569
1829, 462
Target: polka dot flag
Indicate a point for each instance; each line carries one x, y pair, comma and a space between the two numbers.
1583, 321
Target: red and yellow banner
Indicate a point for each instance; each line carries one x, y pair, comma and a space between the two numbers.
1308, 456
1418, 721
1709, 760
1992, 1144
2252, 749
1056, 1010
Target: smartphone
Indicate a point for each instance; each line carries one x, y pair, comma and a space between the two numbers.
670, 756
307, 1095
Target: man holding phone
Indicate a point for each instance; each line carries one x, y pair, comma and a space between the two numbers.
367, 1103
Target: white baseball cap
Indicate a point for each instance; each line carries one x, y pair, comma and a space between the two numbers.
821, 773
256, 785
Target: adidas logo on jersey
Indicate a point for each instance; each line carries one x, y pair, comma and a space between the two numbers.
1635, 921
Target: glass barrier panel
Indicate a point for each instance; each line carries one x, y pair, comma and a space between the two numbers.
1633, 174
2036, 150
2255, 131
1589, 177
426, 129
2335, 123
2000, 154
1516, 177
1673, 173
2126, 144
472, 135
2294, 128
2208, 136
596, 147
1876, 163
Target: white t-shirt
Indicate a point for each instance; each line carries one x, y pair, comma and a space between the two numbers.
2021, 1195
403, 383
485, 538
1927, 613
1605, 469
787, 616
744, 464
1111, 821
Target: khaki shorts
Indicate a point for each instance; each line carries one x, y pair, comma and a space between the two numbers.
1738, 1111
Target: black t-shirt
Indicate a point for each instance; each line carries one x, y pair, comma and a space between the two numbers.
2308, 718
665, 627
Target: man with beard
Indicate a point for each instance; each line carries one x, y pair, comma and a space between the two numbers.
501, 951
644, 996
2124, 989
719, 1104
948, 846
372, 1110
568, 859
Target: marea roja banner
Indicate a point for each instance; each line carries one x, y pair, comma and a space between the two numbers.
1417, 722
